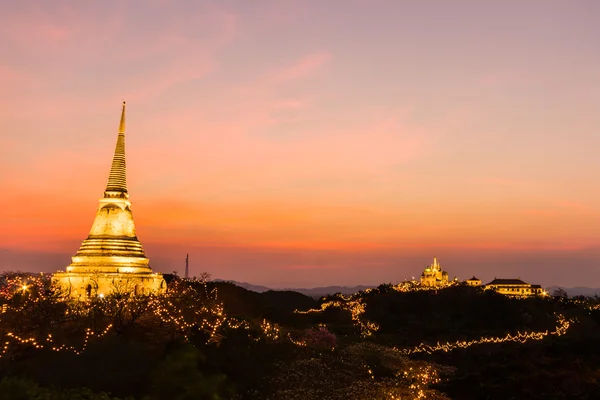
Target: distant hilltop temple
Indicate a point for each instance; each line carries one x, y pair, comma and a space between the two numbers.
434, 275
112, 258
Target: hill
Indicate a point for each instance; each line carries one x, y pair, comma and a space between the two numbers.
219, 340
576, 291
313, 292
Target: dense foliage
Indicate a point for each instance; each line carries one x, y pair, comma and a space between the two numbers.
215, 340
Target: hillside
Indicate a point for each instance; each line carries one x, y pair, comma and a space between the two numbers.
217, 340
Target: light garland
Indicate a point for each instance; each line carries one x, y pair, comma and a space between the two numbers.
562, 326
356, 307
300, 343
50, 345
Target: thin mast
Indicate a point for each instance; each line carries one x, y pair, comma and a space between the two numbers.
187, 266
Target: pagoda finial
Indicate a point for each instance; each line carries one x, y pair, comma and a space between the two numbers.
122, 124
117, 179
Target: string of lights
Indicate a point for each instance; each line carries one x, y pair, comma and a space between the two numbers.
562, 326
49, 343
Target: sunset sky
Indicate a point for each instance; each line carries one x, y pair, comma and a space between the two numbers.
309, 143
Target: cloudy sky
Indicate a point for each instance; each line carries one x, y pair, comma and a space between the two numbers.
308, 143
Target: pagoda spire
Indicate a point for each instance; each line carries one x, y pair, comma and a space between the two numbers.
117, 179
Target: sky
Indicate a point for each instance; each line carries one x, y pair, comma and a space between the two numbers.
308, 143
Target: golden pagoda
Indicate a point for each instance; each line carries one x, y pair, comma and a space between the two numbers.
433, 275
112, 258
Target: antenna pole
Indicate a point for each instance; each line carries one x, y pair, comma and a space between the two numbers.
187, 266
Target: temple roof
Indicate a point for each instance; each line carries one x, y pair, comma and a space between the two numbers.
507, 282
117, 179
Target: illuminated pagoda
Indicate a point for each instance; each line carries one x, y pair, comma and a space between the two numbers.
112, 258
433, 275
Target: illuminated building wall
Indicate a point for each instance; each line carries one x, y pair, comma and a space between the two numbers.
515, 287
473, 281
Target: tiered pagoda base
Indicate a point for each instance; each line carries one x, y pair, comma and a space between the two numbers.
82, 285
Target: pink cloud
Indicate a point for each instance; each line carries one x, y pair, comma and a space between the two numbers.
163, 56
9, 74
54, 33
289, 104
41, 29
172, 38
497, 78
190, 58
146, 86
305, 67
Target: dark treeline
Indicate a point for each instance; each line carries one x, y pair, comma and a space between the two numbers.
215, 340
